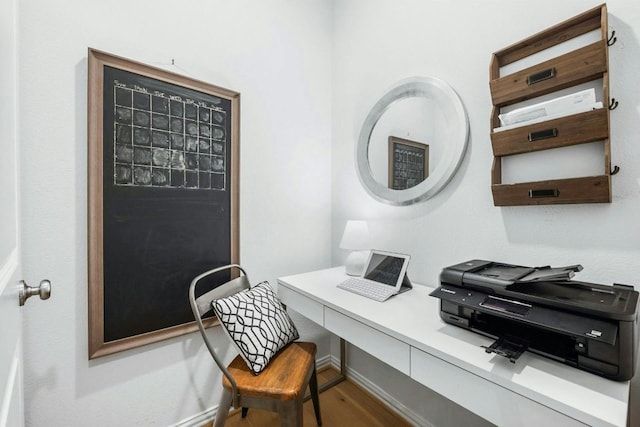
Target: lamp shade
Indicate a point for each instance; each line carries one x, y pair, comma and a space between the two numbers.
356, 236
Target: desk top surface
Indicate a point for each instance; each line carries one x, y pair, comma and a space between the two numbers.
413, 317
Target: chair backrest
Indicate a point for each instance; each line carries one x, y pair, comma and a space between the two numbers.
202, 305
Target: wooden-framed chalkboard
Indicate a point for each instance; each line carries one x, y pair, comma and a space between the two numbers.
408, 163
163, 197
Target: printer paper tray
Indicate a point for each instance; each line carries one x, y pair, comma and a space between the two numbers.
509, 348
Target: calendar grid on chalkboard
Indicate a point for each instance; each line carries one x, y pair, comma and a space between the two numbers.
167, 141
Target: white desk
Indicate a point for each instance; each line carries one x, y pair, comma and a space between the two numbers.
407, 333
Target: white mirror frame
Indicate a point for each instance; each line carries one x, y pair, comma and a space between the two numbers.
457, 122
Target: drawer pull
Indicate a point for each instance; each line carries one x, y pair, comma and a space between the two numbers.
540, 76
543, 134
550, 192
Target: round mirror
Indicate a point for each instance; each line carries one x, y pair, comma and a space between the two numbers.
412, 141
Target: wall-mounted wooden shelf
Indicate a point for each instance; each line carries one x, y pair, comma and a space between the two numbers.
585, 64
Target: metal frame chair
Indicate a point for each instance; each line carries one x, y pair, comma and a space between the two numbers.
280, 387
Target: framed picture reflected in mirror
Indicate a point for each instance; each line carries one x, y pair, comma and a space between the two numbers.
408, 163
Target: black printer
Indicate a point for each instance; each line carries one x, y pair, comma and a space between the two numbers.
540, 309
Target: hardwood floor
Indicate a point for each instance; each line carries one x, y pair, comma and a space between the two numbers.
345, 404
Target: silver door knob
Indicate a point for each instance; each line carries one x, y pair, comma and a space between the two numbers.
25, 291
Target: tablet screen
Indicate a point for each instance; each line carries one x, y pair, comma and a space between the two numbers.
384, 269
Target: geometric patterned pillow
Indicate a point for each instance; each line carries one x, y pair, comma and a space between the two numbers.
257, 323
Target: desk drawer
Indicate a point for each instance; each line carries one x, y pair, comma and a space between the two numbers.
378, 344
302, 304
483, 397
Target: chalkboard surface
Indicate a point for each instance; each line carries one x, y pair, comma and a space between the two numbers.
166, 199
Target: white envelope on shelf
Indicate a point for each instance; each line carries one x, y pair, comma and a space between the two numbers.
578, 102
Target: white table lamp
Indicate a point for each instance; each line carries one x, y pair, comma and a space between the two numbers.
356, 237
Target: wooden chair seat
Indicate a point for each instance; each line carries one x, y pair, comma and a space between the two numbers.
284, 378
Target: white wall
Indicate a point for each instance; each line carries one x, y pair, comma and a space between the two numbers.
378, 42
277, 54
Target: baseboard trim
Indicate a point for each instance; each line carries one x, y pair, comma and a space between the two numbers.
395, 405
325, 361
199, 419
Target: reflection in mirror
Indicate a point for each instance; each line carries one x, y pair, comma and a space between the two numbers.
412, 141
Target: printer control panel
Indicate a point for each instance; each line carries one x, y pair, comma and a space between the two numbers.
506, 306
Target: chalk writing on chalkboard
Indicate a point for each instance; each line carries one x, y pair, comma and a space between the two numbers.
408, 163
164, 140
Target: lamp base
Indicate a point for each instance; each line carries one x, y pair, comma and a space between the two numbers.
354, 264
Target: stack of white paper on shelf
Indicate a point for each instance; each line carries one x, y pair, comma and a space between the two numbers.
575, 103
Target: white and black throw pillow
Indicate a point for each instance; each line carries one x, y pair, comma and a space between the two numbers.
257, 323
